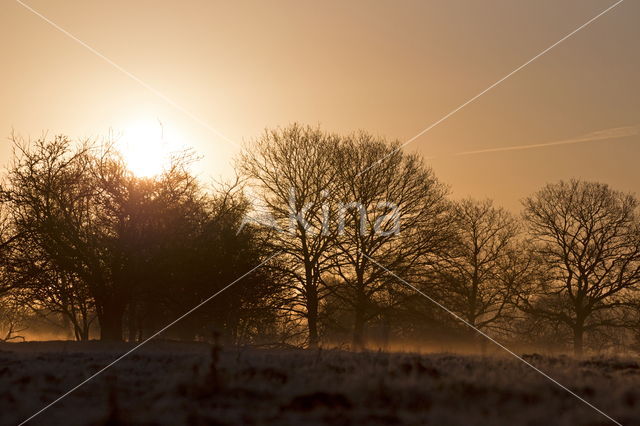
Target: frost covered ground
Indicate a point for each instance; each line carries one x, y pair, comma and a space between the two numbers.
179, 383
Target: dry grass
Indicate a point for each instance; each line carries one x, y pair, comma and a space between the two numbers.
180, 383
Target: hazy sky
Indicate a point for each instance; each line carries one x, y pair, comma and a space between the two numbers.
392, 68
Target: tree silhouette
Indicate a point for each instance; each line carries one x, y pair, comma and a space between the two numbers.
485, 268
51, 194
292, 174
475, 276
588, 235
395, 213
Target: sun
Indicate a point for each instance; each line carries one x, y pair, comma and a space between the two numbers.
145, 148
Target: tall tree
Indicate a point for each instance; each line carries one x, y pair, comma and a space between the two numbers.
589, 237
394, 212
292, 173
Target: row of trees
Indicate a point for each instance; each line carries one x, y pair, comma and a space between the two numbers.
84, 239
364, 208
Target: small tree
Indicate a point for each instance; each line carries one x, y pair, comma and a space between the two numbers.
588, 235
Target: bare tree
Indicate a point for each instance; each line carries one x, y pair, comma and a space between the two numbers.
475, 276
40, 286
588, 235
50, 194
481, 275
394, 213
292, 173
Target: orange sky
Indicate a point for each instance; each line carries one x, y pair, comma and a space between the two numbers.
392, 68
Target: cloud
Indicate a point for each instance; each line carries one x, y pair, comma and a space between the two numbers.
613, 133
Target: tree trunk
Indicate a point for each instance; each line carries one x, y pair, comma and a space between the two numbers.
86, 326
578, 332
76, 333
111, 322
68, 325
483, 344
312, 318
232, 326
357, 343
131, 323
84, 333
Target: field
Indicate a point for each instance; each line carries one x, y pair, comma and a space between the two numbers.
179, 383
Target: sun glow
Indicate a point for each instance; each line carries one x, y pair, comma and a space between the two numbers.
147, 148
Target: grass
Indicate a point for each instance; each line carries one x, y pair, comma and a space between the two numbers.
189, 383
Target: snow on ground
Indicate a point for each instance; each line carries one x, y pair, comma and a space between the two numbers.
181, 383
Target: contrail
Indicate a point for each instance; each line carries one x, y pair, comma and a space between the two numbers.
613, 133
497, 83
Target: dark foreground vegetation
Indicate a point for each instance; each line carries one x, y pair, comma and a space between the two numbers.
345, 230
190, 383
